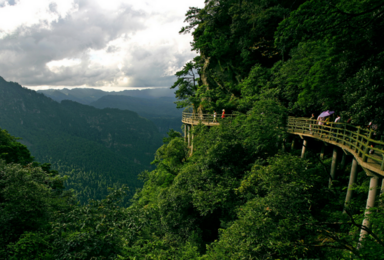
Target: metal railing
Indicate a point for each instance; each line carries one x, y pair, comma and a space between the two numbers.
361, 141
358, 139
204, 118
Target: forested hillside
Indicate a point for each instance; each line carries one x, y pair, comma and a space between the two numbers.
161, 111
112, 144
240, 195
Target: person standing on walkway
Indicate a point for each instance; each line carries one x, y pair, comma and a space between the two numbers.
372, 127
319, 120
223, 114
214, 116
310, 125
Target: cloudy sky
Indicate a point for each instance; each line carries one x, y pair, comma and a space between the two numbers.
107, 44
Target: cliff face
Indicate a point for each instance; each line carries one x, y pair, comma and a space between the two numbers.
108, 141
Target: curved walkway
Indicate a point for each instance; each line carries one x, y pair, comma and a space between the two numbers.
354, 140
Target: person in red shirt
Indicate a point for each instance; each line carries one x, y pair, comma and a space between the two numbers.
223, 114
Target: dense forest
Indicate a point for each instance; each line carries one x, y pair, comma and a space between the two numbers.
239, 196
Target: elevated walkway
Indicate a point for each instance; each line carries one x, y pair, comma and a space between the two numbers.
356, 141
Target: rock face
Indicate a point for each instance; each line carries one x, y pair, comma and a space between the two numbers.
113, 142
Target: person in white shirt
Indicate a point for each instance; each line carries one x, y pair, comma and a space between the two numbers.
337, 119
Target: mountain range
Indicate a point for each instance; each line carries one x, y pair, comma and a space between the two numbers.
113, 145
156, 105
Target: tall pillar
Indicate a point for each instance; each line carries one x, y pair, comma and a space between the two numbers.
370, 203
303, 149
333, 166
192, 141
322, 151
189, 135
352, 179
185, 134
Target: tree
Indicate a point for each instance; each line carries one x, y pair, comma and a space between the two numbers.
12, 151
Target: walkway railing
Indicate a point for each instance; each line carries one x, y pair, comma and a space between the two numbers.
206, 119
360, 140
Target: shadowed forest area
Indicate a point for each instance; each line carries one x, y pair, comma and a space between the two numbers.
239, 196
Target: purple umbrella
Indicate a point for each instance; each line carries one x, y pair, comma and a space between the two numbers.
326, 113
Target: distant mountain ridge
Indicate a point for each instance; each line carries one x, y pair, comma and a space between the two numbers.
88, 95
163, 106
155, 104
112, 142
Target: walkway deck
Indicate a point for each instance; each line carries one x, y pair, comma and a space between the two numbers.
354, 140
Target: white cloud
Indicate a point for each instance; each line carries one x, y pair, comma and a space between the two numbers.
93, 43
58, 65
27, 13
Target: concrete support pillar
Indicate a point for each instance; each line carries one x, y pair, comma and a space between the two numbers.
352, 179
322, 152
192, 141
185, 134
333, 166
370, 203
303, 148
189, 135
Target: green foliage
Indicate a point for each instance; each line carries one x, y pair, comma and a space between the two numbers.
13, 151
187, 82
276, 222
28, 196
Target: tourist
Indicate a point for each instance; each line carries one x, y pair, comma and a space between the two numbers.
310, 126
320, 120
372, 127
223, 114
214, 116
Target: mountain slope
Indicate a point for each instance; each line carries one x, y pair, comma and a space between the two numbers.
163, 106
161, 111
115, 143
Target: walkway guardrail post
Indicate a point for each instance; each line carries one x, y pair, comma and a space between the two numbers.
367, 146
357, 141
337, 135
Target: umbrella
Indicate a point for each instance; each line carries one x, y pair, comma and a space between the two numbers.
326, 113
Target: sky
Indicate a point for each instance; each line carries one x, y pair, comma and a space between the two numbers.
107, 44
